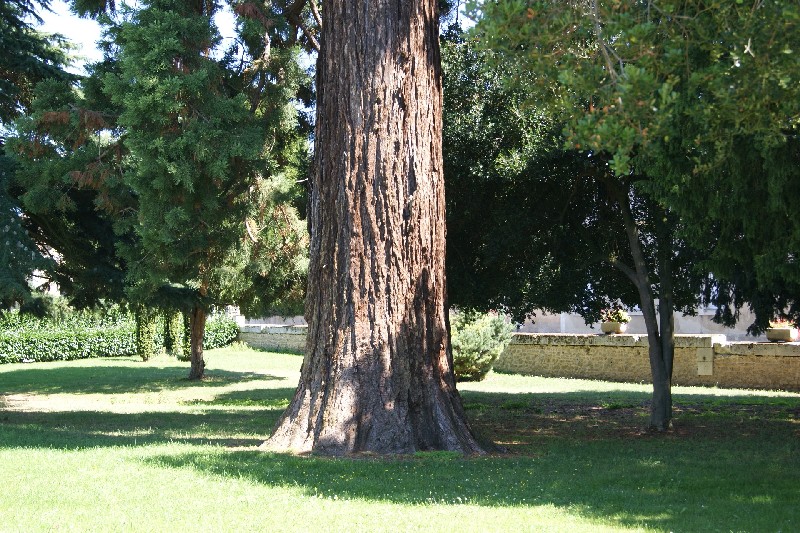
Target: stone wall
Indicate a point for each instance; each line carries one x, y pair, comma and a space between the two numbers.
274, 337
699, 359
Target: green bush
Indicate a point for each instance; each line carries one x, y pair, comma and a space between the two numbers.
477, 341
26, 338
66, 319
64, 345
146, 332
173, 332
221, 330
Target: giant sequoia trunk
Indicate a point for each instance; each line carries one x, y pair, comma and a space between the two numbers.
377, 375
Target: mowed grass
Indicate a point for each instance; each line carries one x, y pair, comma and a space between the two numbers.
123, 445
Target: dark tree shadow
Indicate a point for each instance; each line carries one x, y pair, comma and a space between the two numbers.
90, 429
623, 414
114, 380
738, 456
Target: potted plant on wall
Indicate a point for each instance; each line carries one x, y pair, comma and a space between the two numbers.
614, 320
781, 330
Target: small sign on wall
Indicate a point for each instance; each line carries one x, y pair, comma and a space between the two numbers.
705, 361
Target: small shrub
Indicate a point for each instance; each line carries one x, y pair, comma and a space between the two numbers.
49, 307
477, 341
615, 314
110, 316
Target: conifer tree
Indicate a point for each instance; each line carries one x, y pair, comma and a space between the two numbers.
111, 189
197, 146
68, 181
26, 58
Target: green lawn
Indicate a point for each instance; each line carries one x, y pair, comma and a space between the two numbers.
119, 445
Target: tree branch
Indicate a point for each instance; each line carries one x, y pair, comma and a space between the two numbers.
604, 47
625, 269
315, 13
293, 13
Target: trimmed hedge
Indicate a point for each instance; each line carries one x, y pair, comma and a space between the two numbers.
65, 345
26, 344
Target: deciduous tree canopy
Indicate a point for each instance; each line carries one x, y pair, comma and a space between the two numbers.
701, 97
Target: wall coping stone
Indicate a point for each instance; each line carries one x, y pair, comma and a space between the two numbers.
773, 349
637, 340
274, 329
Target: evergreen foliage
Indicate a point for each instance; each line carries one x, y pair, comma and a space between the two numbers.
202, 176
69, 183
477, 340
102, 333
221, 141
173, 332
146, 326
26, 56
175, 110
531, 225
19, 255
65, 345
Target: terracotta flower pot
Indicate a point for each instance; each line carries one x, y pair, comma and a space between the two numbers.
782, 334
613, 327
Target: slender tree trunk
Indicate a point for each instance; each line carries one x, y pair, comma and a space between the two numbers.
377, 375
661, 419
660, 366
198, 325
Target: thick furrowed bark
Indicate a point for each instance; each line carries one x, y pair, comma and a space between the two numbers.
377, 375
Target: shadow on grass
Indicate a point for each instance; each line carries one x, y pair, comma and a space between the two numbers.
271, 398
90, 429
114, 379
630, 484
521, 422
